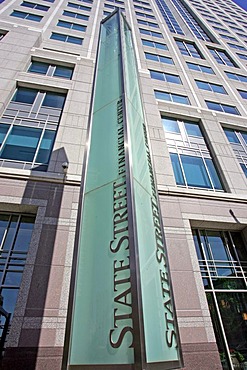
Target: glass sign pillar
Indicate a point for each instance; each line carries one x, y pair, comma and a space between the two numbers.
122, 313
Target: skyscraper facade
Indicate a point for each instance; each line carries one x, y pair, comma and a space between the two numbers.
123, 173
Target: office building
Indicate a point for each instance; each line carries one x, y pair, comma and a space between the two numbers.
104, 107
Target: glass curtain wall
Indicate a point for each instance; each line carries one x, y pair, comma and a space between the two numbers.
222, 258
15, 236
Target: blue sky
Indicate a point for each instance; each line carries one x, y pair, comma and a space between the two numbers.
242, 3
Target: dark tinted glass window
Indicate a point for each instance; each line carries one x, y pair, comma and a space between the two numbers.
54, 100
25, 95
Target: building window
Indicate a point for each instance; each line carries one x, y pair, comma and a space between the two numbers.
116, 1
159, 58
234, 76
72, 26
171, 22
175, 98
200, 68
242, 35
191, 21
146, 23
236, 28
29, 16
15, 236
236, 46
243, 94
222, 260
49, 1
222, 57
228, 37
242, 56
209, 86
66, 13
229, 22
66, 38
189, 49
222, 107
2, 34
143, 8
219, 29
81, 7
238, 141
191, 160
109, 6
153, 44
141, 2
51, 69
211, 21
151, 33
167, 77
28, 128
35, 6
149, 16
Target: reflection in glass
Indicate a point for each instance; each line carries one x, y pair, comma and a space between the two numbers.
218, 334
195, 171
233, 310
222, 258
15, 237
170, 125
9, 299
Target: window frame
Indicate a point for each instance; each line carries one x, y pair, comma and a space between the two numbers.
66, 38
36, 6
172, 97
28, 16
184, 47
212, 87
28, 144
189, 153
51, 69
223, 107
226, 60
166, 77
200, 68
154, 44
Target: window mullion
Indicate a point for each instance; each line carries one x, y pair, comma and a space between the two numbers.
242, 141
206, 167
220, 57
6, 137
11, 247
51, 70
205, 260
38, 147
210, 253
181, 165
33, 109
8, 255
222, 329
239, 262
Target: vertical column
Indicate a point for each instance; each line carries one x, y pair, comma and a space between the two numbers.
102, 325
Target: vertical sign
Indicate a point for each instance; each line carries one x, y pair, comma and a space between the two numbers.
123, 314
159, 321
102, 327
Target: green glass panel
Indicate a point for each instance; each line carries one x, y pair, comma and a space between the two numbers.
94, 303
102, 323
102, 327
158, 312
102, 164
